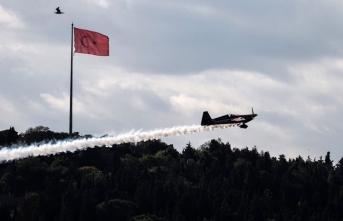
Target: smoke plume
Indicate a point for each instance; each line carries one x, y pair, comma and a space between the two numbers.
8, 154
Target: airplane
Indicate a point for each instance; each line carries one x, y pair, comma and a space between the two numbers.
58, 11
228, 119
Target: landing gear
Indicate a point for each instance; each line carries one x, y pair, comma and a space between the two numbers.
244, 126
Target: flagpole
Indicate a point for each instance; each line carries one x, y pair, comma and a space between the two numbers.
71, 85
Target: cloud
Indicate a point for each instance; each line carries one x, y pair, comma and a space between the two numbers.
10, 19
318, 86
171, 60
102, 3
57, 103
8, 109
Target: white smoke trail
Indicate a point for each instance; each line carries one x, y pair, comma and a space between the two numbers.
7, 154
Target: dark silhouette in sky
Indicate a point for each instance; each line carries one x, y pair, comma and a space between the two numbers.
58, 11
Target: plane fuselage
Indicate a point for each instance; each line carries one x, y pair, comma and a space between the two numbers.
227, 119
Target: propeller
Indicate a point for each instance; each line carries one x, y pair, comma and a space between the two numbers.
253, 114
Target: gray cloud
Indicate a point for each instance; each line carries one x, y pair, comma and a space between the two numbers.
170, 61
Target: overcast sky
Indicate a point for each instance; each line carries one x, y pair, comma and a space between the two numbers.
171, 60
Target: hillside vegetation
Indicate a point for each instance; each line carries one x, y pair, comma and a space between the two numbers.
152, 181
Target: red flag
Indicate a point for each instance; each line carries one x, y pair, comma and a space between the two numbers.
90, 42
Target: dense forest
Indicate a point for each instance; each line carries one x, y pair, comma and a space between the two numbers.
152, 181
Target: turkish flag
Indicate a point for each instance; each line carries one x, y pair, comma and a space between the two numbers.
90, 42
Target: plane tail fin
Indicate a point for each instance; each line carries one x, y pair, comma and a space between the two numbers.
206, 119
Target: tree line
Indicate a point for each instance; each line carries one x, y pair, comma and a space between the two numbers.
152, 181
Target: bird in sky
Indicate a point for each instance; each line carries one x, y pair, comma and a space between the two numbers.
58, 11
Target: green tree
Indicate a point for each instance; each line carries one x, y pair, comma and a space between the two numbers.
8, 137
188, 152
328, 161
